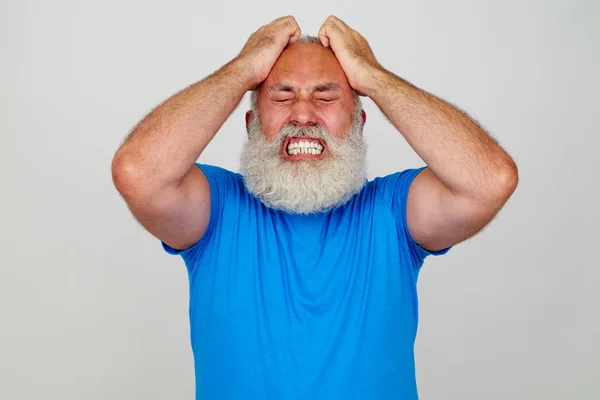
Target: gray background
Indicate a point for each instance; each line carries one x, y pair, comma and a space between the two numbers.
92, 308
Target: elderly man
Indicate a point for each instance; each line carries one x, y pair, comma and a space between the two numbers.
303, 272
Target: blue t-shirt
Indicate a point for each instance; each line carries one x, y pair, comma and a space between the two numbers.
289, 306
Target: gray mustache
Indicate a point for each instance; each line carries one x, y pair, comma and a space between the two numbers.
316, 132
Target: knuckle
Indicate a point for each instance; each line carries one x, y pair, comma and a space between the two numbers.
285, 20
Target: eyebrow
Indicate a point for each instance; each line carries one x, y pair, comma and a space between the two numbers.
278, 87
327, 87
322, 87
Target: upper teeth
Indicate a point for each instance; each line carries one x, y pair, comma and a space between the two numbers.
304, 147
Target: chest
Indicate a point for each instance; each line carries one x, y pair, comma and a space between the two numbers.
305, 268
304, 298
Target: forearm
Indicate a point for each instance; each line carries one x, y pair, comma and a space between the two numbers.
460, 153
166, 143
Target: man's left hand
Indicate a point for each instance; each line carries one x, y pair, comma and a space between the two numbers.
352, 51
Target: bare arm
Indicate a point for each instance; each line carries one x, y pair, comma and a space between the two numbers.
469, 176
154, 168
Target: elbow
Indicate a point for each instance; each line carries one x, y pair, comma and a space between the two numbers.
124, 173
133, 181
506, 182
510, 177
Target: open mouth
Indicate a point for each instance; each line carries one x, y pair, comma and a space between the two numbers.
304, 148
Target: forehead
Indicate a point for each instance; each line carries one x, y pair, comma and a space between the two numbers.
304, 65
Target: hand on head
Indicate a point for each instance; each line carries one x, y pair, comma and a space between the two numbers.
353, 52
266, 44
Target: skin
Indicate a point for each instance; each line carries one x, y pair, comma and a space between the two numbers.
469, 176
468, 179
154, 169
305, 87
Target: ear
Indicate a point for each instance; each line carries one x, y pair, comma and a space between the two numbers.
249, 117
364, 116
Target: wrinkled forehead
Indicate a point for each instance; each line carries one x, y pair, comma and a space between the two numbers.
307, 66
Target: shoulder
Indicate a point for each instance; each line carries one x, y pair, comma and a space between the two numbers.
227, 190
393, 185
384, 195
221, 180
218, 173
391, 194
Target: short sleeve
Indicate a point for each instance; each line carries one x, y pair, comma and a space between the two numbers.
396, 186
221, 182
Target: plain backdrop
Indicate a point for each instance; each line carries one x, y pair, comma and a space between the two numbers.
91, 307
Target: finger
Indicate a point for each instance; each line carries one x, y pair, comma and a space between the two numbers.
288, 20
273, 23
339, 23
295, 36
325, 33
281, 19
296, 31
324, 36
289, 25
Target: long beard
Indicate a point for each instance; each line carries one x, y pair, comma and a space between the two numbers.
304, 186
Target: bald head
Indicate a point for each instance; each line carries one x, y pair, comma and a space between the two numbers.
307, 64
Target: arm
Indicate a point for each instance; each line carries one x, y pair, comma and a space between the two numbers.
469, 177
154, 168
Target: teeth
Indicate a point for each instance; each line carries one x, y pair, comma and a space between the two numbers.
305, 147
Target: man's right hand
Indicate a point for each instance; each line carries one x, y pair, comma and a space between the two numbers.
154, 169
265, 45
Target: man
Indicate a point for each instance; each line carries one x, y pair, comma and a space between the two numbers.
303, 273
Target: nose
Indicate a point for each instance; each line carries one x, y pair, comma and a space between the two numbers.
303, 113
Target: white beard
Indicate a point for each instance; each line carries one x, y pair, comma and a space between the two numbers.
304, 186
